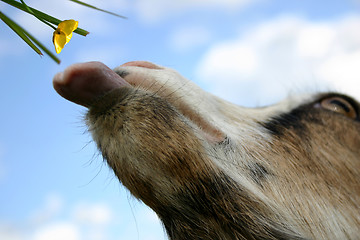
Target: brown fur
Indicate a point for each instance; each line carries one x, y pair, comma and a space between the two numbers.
213, 170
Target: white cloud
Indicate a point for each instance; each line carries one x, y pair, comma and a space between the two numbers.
56, 221
189, 37
9, 232
343, 70
228, 59
51, 208
315, 41
286, 53
58, 231
152, 11
92, 214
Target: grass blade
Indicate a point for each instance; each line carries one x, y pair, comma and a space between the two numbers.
42, 15
40, 19
28, 38
93, 7
46, 50
19, 31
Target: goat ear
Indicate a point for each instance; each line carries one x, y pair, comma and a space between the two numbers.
82, 83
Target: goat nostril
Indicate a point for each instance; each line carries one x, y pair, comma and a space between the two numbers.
143, 64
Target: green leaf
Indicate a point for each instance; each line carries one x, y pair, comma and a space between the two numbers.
34, 14
19, 31
90, 6
27, 37
46, 19
42, 15
46, 50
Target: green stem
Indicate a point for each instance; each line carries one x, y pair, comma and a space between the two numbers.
30, 11
93, 7
19, 31
42, 15
27, 37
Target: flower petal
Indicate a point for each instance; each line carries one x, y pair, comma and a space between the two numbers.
63, 34
59, 40
68, 37
68, 26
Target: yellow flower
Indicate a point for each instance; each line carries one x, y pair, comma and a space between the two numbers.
63, 34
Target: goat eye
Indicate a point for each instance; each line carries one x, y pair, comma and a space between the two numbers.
339, 105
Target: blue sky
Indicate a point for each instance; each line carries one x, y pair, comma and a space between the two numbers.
54, 184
